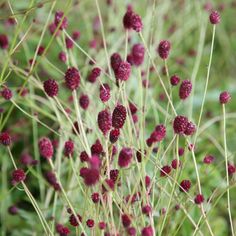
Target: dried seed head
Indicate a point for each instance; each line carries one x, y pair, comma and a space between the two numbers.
18, 175
138, 52
5, 139
104, 121
72, 78
6, 93
58, 20
51, 87
180, 124
123, 71
185, 89
118, 116
125, 157
225, 97
105, 92
114, 135
214, 17
185, 185
84, 101
69, 148
164, 49
45, 148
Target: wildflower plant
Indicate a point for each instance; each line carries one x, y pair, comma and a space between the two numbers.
117, 118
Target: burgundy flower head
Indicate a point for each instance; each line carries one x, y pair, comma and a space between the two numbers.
102, 225
97, 148
69, 148
114, 135
165, 170
6, 93
58, 20
185, 89
95, 197
174, 80
208, 159
18, 175
131, 231
136, 22
62, 56
76, 35
51, 87
147, 231
91, 176
214, 17
159, 133
105, 92
125, 157
164, 49
72, 78
138, 52
127, 19
190, 129
40, 50
95, 73
115, 61
199, 199
231, 169
84, 156
180, 124
73, 220
69, 43
4, 41
146, 210
126, 220
175, 164
27, 160
84, 101
62, 230
123, 71
185, 185
45, 148
225, 97
114, 174
118, 116
90, 223
5, 139
104, 121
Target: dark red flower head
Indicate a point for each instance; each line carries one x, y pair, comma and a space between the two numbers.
40, 50
97, 148
214, 17
123, 71
73, 220
84, 101
84, 156
58, 20
72, 78
126, 220
147, 231
174, 80
90, 223
231, 169
136, 22
95, 73
138, 52
114, 135
62, 56
208, 159
102, 225
185, 185
105, 92
68, 148
45, 148
69, 43
5, 139
185, 89
125, 157
18, 175
127, 19
164, 49
190, 129
180, 124
165, 170
131, 231
225, 97
104, 121
6, 93
118, 116
199, 199
95, 197
146, 209
115, 61
51, 87
4, 41
91, 176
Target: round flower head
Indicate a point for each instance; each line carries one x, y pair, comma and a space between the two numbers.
114, 174
72, 78
3, 41
68, 148
95, 73
190, 129
126, 220
90, 223
185, 89
104, 121
45, 148
146, 210
125, 157
115, 61
62, 56
118, 116
136, 22
102, 225
58, 20
105, 92
13, 210
40, 50
95, 197
138, 52
199, 199
127, 19
165, 170
62, 230
131, 231
225, 97
5, 139
51, 87
97, 148
231, 169
147, 231
164, 49
73, 220
18, 175
160, 132
174, 80
180, 124
208, 159
91, 176
84, 156
6, 93
185, 185
114, 135
84, 101
175, 164
214, 18
123, 71
69, 43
